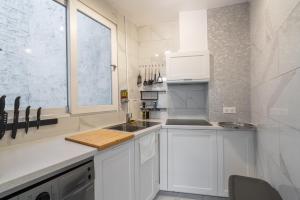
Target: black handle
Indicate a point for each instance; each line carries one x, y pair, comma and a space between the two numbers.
16, 118
3, 117
27, 113
2, 103
38, 118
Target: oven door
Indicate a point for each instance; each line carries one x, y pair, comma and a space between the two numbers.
77, 184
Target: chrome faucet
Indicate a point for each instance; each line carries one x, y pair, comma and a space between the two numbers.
128, 117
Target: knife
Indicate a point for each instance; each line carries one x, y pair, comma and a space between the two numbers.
3, 116
27, 113
38, 118
16, 118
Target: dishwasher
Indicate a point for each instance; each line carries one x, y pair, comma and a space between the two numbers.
74, 183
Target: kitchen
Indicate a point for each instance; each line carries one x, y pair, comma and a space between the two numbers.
176, 100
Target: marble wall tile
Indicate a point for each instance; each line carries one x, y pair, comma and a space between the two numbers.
286, 108
289, 42
274, 92
187, 100
155, 39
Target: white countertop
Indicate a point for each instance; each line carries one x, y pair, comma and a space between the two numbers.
26, 162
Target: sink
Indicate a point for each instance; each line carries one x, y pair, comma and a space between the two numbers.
133, 126
236, 125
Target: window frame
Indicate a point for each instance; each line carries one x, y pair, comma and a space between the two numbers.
74, 108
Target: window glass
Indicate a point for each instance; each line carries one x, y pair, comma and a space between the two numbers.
33, 53
94, 60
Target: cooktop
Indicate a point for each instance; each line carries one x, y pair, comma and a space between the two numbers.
188, 122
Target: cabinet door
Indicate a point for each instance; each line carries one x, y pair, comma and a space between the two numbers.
146, 174
114, 172
163, 159
187, 66
235, 156
192, 161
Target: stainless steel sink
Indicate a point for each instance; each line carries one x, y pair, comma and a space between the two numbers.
236, 125
133, 126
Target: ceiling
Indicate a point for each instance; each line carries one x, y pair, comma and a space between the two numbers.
145, 12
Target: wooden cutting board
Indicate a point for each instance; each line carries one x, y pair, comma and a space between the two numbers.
101, 139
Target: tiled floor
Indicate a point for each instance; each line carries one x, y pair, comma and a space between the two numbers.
180, 196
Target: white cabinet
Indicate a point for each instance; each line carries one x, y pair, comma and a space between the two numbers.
146, 173
201, 161
114, 171
188, 67
192, 161
236, 156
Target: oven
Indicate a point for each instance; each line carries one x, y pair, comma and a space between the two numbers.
74, 183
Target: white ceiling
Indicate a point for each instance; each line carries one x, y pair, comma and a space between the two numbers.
144, 12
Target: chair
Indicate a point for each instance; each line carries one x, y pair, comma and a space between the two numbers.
246, 188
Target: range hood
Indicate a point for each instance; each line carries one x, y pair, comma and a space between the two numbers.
191, 64
193, 31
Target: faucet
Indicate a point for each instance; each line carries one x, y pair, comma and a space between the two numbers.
128, 117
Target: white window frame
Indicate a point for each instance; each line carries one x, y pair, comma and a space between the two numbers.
73, 7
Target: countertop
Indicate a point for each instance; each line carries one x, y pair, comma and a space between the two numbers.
20, 164
23, 163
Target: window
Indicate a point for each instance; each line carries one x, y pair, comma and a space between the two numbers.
94, 85
33, 53
94, 60
35, 40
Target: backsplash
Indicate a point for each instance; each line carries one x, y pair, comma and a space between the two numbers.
188, 101
275, 31
229, 44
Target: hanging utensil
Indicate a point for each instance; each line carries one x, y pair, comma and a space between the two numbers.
159, 78
3, 117
150, 82
16, 118
154, 79
139, 79
27, 113
149, 76
145, 78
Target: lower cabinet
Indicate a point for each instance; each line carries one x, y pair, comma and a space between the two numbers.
236, 156
201, 161
147, 172
114, 172
122, 175
192, 161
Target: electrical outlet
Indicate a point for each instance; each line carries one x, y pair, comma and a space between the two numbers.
229, 110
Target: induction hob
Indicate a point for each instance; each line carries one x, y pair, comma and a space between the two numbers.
188, 122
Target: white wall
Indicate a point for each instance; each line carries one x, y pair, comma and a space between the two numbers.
275, 36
